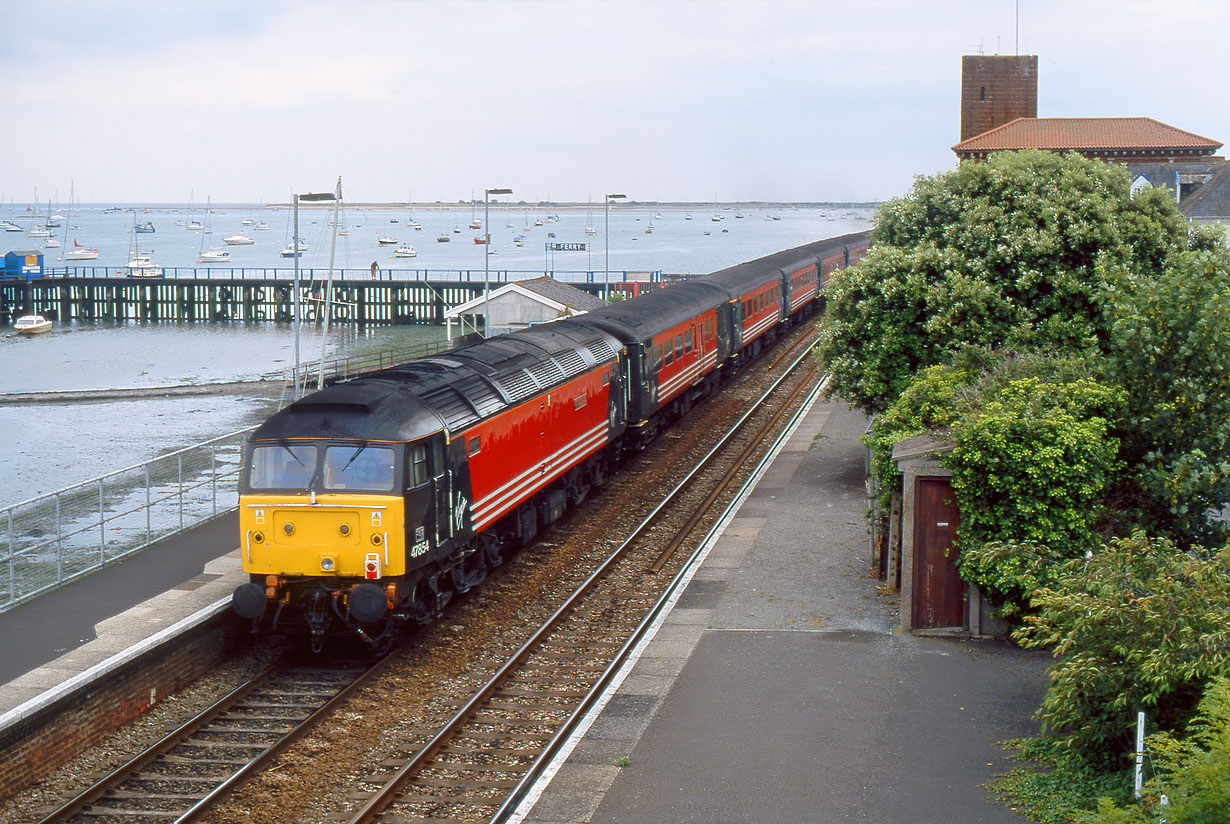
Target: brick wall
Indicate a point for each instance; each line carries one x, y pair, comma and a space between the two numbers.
996, 89
37, 745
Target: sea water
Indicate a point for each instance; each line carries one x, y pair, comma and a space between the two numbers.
47, 446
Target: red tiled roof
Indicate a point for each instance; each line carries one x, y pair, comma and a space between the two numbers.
1085, 134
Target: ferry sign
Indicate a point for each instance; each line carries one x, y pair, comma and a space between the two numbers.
567, 247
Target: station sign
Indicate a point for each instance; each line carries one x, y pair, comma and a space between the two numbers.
567, 247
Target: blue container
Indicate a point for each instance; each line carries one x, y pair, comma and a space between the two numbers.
23, 265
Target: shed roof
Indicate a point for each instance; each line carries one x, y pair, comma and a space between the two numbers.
545, 290
1086, 134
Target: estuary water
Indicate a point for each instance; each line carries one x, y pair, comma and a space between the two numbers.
47, 446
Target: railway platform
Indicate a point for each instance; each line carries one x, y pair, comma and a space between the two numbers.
778, 689
65, 634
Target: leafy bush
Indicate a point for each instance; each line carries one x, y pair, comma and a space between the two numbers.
1030, 469
1139, 625
1170, 346
1194, 771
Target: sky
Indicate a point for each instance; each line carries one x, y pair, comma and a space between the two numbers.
120, 101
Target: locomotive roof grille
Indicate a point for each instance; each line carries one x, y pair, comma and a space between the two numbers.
454, 407
546, 373
570, 362
519, 385
601, 350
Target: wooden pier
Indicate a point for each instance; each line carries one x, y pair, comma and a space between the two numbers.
361, 302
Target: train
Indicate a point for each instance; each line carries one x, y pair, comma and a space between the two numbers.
371, 503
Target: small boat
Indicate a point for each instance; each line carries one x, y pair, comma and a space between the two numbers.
418, 227
590, 230
247, 221
32, 325
405, 252
262, 227
238, 240
146, 227
9, 226
51, 243
480, 241
392, 220
79, 252
476, 224
143, 266
215, 255
443, 239
386, 241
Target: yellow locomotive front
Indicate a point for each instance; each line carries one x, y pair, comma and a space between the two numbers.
322, 529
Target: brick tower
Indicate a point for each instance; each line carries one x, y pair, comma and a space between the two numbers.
996, 89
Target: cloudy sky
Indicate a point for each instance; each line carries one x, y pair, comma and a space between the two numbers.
247, 100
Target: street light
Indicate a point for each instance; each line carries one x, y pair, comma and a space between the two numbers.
487, 193
295, 249
606, 239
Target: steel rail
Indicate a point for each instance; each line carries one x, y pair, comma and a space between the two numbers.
388, 793
552, 748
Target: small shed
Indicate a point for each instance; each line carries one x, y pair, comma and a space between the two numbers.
23, 265
523, 304
934, 598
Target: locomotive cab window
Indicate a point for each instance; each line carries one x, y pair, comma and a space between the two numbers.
363, 467
283, 466
416, 465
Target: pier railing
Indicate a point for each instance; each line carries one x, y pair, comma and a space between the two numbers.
308, 274
52, 539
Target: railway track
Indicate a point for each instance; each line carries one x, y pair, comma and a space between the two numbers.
196, 765
468, 770
485, 757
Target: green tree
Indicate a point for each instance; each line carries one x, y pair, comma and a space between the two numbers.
1138, 625
997, 254
1170, 347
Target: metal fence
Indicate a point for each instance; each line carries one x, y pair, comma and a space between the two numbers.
62, 535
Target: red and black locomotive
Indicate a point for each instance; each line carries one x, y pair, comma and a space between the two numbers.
372, 502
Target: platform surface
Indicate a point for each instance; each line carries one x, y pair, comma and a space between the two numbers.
778, 690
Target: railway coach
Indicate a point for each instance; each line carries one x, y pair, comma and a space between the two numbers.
370, 503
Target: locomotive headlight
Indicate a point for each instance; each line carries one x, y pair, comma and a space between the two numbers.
377, 539
344, 529
288, 528
326, 564
258, 537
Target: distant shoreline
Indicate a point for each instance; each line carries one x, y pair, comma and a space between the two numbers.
623, 205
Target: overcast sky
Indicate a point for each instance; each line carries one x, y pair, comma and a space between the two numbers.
247, 100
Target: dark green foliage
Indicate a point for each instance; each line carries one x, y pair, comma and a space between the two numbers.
1170, 346
1138, 625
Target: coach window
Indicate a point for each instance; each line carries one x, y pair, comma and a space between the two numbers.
687, 340
416, 465
668, 354
678, 346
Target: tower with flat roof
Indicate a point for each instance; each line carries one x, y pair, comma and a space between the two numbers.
996, 89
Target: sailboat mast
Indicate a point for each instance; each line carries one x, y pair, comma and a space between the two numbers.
324, 339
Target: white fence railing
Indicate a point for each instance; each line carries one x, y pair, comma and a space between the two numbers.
54, 538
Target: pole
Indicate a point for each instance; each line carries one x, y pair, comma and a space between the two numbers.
324, 338
486, 263
606, 250
295, 256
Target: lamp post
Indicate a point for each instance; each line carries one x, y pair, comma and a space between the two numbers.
295, 256
487, 193
606, 239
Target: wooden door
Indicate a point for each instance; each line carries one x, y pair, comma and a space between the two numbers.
938, 591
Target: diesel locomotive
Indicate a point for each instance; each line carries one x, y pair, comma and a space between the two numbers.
371, 503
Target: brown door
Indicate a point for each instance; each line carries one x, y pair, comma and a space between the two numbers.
939, 592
